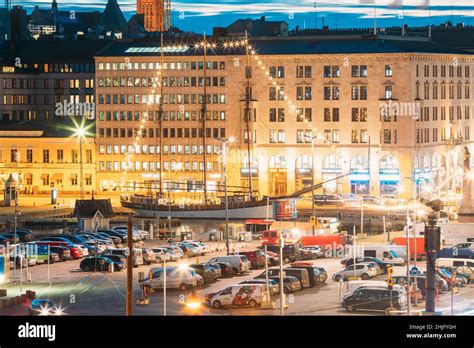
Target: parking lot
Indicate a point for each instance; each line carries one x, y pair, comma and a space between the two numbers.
89, 293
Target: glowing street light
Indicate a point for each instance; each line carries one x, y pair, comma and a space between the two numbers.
80, 134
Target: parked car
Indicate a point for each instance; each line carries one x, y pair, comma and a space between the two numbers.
205, 271
290, 284
137, 235
116, 240
137, 255
25, 236
311, 252
4, 240
226, 269
273, 258
300, 273
362, 270
11, 237
181, 278
291, 252
77, 239
189, 249
76, 251
203, 248
100, 263
317, 275
373, 298
175, 252
251, 295
217, 269
273, 285
256, 258
161, 255
121, 235
149, 256
43, 307
382, 264
117, 258
323, 274
62, 251
240, 263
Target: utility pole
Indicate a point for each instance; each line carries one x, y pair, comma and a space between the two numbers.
129, 294
81, 166
408, 266
282, 291
313, 208
204, 115
224, 165
248, 98
160, 119
432, 246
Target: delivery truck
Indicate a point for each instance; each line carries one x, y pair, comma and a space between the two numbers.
420, 246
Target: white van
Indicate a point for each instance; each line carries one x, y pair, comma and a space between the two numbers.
452, 262
176, 278
239, 263
381, 252
353, 285
137, 255
251, 295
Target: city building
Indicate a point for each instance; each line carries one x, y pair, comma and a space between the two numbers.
156, 14
45, 98
381, 115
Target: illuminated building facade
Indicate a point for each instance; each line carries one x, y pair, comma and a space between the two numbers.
44, 99
410, 101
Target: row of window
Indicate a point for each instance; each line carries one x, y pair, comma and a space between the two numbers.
124, 99
148, 166
329, 71
178, 81
433, 92
155, 149
195, 115
16, 156
47, 83
167, 132
454, 68
305, 114
215, 65
329, 93
447, 133
47, 180
46, 99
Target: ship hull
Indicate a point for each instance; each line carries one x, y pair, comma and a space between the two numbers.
235, 213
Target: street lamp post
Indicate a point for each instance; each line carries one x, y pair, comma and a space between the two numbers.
415, 286
80, 133
313, 208
226, 198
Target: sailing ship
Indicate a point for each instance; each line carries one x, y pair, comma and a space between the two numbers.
239, 206
243, 204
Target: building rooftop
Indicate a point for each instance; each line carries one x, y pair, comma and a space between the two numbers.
290, 45
87, 208
53, 51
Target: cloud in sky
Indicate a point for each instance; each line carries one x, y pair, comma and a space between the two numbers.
340, 13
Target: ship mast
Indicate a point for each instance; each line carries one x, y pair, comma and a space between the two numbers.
247, 114
160, 116
203, 116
